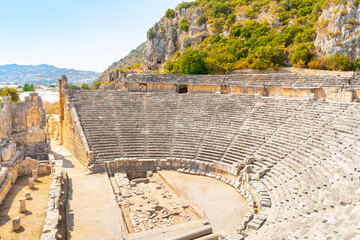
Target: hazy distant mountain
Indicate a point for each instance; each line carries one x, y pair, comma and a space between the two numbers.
42, 74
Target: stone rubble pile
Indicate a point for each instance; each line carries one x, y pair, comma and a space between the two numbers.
149, 214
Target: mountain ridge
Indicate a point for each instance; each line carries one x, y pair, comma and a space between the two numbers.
43, 74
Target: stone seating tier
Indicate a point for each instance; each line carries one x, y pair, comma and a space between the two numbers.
308, 150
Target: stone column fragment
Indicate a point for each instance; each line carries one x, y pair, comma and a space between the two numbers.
28, 195
16, 223
34, 174
31, 183
22, 204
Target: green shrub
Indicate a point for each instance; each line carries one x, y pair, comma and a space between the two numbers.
235, 30
184, 25
28, 87
254, 29
151, 34
96, 85
170, 13
74, 87
171, 67
300, 56
186, 5
220, 9
315, 64
308, 35
192, 62
266, 57
317, 10
218, 25
230, 20
84, 86
201, 20
251, 13
13, 93
338, 62
356, 64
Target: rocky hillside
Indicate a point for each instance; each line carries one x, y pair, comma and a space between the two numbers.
43, 74
339, 29
234, 34
133, 60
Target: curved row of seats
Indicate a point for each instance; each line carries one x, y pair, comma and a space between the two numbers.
310, 149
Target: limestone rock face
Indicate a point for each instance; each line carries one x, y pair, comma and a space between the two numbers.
338, 30
169, 38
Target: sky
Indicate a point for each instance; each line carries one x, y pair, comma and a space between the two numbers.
79, 34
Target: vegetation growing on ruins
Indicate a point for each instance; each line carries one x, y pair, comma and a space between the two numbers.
13, 93
254, 43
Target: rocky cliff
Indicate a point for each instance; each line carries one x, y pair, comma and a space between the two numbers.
326, 27
339, 30
168, 37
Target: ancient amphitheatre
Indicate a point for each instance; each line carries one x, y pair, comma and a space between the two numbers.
241, 156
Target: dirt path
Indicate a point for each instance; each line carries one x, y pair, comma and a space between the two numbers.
223, 205
32, 220
92, 212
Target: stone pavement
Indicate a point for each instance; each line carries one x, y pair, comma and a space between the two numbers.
92, 212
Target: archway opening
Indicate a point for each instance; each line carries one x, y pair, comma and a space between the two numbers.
183, 89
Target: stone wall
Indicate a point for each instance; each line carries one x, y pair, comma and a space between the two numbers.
23, 140
322, 85
73, 136
71, 132
54, 208
5, 183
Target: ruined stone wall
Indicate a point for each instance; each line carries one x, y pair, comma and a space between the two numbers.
294, 85
5, 118
204, 89
54, 210
23, 140
73, 136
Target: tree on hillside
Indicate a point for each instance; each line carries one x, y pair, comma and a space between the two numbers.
192, 62
12, 92
266, 57
300, 56
184, 24
338, 62
170, 13
151, 34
